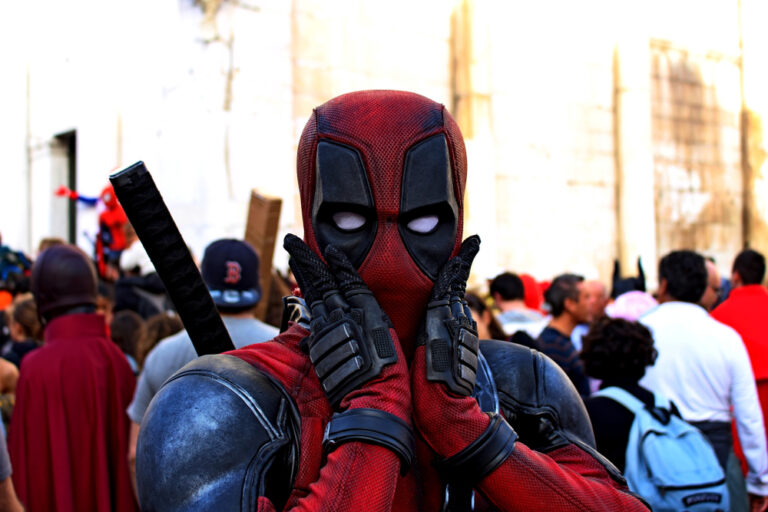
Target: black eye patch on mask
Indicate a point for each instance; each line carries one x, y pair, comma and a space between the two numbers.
343, 212
428, 201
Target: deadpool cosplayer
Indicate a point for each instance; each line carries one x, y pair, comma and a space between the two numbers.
377, 395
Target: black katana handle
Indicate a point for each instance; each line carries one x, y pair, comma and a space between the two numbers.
157, 231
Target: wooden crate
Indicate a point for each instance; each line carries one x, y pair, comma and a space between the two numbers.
261, 233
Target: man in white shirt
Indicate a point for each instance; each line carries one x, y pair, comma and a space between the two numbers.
703, 367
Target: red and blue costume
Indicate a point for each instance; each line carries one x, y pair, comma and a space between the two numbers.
110, 240
377, 395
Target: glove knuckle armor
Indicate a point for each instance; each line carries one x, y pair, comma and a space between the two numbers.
346, 356
452, 348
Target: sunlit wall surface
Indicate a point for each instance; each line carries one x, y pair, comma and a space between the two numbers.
595, 129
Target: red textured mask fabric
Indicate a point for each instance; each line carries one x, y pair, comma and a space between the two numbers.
383, 126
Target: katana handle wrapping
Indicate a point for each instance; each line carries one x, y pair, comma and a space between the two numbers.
162, 240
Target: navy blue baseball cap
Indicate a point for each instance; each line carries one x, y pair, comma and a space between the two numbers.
230, 269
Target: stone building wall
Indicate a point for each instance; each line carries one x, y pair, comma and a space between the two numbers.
697, 151
581, 118
549, 134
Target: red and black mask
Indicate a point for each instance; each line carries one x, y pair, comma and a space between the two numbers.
381, 176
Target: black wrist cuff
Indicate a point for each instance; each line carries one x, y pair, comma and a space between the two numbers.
371, 426
482, 456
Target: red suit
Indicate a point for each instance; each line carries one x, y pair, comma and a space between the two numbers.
69, 431
389, 355
111, 238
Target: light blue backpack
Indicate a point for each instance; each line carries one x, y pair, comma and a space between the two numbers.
669, 462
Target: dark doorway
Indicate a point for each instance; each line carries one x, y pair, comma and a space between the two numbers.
69, 141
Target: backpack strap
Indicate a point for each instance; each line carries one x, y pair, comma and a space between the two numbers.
662, 402
662, 405
622, 396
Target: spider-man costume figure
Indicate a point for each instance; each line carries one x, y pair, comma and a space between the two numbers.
110, 240
377, 395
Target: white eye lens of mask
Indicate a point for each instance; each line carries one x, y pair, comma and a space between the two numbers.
423, 224
348, 221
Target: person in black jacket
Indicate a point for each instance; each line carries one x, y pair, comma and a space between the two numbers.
616, 351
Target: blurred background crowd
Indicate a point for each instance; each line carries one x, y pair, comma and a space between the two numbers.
698, 339
602, 137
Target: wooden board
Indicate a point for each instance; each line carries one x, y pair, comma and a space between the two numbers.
261, 233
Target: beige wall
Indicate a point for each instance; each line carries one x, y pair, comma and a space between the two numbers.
754, 116
612, 132
544, 149
572, 112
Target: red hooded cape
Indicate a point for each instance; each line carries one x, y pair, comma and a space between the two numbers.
69, 431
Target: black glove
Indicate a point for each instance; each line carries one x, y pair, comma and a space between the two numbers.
449, 333
350, 341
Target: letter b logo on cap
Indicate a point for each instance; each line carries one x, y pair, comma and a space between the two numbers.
234, 272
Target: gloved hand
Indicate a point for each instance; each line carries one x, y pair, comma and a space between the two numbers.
354, 350
445, 362
450, 333
479, 450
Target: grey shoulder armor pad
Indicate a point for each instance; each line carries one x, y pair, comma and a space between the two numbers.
536, 397
218, 434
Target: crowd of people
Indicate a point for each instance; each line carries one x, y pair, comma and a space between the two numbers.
689, 341
94, 353
699, 340
389, 352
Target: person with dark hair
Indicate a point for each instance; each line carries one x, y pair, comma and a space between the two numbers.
127, 329
617, 352
507, 287
704, 368
508, 292
745, 310
157, 328
26, 333
105, 300
748, 268
682, 276
569, 303
69, 431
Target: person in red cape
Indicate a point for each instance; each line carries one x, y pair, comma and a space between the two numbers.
370, 399
68, 437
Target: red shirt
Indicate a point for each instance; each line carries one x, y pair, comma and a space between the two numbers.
746, 310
